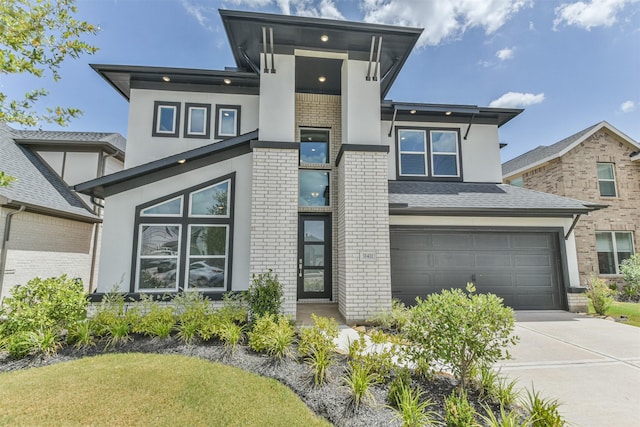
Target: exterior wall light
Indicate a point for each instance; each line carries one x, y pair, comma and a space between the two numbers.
166, 78
324, 38
227, 81
322, 79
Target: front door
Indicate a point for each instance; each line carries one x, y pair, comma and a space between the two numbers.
314, 256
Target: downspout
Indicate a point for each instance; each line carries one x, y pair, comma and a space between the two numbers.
5, 239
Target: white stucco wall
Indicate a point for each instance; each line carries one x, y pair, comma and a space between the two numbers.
277, 100
480, 151
117, 240
55, 159
360, 104
144, 148
112, 165
440, 221
80, 167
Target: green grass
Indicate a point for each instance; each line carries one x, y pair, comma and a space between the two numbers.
145, 390
629, 309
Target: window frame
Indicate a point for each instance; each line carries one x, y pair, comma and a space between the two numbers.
220, 108
328, 188
187, 122
157, 105
613, 172
185, 221
189, 256
428, 154
517, 182
614, 242
317, 129
140, 257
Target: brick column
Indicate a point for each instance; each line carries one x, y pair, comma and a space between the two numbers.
364, 275
274, 215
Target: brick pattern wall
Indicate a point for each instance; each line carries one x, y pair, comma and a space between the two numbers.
578, 167
274, 218
364, 275
46, 246
578, 303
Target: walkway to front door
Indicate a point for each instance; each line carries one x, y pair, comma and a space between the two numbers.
304, 311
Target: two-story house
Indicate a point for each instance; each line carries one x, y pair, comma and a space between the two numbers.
293, 161
600, 164
47, 229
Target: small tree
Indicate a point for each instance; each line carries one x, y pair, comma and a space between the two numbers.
465, 331
630, 270
264, 295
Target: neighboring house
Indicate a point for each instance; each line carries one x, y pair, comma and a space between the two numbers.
294, 162
599, 164
46, 229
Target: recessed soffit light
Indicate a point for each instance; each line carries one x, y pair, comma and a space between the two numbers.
412, 111
324, 38
166, 78
181, 161
448, 113
227, 81
322, 79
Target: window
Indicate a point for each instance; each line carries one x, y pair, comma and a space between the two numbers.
606, 180
166, 116
186, 248
198, 121
613, 247
314, 146
228, 121
517, 182
429, 153
314, 188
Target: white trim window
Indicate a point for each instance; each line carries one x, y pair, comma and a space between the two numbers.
212, 201
444, 153
613, 247
166, 117
207, 260
607, 180
158, 255
412, 145
172, 207
198, 121
227, 121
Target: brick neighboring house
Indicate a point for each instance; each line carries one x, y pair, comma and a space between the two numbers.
46, 228
294, 161
599, 164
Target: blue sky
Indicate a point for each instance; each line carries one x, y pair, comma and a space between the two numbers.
569, 63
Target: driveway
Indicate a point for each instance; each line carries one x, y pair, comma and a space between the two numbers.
592, 366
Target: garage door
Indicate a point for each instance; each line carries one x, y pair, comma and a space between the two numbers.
523, 268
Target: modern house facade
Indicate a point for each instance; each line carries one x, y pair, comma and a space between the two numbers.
293, 161
599, 164
47, 229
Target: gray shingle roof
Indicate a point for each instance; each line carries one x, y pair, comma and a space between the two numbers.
36, 184
116, 140
543, 152
461, 197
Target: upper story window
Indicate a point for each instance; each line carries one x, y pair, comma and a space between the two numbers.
613, 247
228, 121
314, 146
183, 240
517, 182
314, 188
429, 153
166, 117
198, 120
606, 180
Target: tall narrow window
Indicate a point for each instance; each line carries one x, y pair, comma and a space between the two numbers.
444, 153
413, 152
314, 146
166, 116
613, 247
606, 180
314, 188
198, 120
227, 121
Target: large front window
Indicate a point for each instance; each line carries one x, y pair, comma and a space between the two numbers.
428, 153
613, 247
186, 248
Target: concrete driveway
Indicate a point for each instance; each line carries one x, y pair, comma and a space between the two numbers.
592, 366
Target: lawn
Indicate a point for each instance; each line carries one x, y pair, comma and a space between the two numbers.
617, 309
147, 389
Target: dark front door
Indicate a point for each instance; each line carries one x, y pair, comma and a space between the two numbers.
314, 256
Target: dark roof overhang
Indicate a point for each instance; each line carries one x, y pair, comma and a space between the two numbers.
68, 145
244, 30
447, 113
168, 166
39, 209
404, 209
123, 78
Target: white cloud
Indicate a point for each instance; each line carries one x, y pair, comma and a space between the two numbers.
319, 9
442, 20
627, 106
517, 100
594, 13
198, 12
506, 53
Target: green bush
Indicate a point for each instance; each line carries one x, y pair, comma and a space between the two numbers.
358, 380
465, 331
394, 319
54, 303
234, 308
316, 346
264, 295
458, 412
544, 412
156, 320
600, 294
630, 270
412, 411
401, 381
273, 335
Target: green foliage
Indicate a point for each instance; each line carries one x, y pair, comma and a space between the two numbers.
458, 412
544, 412
630, 270
156, 320
496, 388
210, 327
378, 361
81, 335
54, 303
395, 319
20, 344
234, 308
464, 331
188, 331
401, 381
6, 180
273, 335
600, 295
316, 346
231, 334
46, 341
117, 332
264, 295
319, 360
412, 411
36, 36
510, 419
359, 381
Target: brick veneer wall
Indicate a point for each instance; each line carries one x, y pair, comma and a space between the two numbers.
575, 175
274, 218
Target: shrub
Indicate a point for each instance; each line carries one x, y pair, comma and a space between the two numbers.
411, 411
463, 331
54, 303
234, 308
358, 381
273, 335
496, 388
401, 381
188, 331
544, 412
231, 334
511, 419
264, 295
81, 335
316, 346
20, 344
394, 319
458, 412
156, 320
630, 270
191, 307
600, 295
